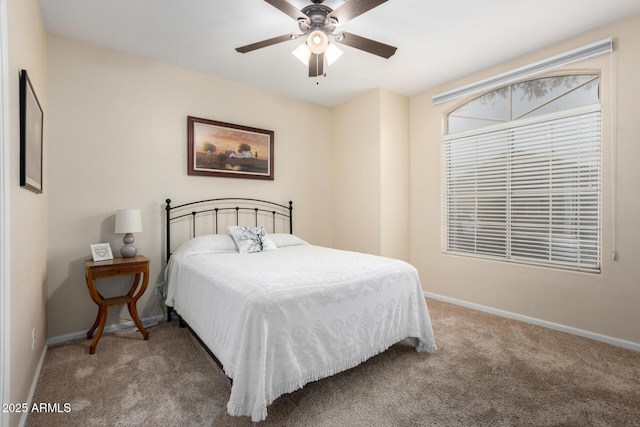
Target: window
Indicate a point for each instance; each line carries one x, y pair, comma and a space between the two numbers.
522, 174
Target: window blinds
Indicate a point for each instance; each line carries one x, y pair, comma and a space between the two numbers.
528, 193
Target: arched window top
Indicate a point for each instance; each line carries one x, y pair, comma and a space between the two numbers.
526, 99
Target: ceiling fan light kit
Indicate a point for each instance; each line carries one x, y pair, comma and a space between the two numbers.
318, 22
317, 42
304, 51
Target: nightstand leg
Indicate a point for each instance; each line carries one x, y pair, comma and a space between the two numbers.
103, 321
95, 324
134, 315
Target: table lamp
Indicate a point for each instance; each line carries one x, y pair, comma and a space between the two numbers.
128, 221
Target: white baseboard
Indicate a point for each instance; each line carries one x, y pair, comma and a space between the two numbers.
34, 384
555, 326
146, 322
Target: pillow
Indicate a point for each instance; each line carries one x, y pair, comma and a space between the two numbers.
205, 244
285, 239
251, 239
209, 243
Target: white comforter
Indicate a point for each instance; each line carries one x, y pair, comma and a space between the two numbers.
278, 320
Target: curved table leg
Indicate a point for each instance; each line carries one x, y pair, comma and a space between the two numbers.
103, 321
134, 315
95, 324
133, 309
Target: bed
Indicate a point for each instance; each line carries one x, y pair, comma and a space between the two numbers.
287, 313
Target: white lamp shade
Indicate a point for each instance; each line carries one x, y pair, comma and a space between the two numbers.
317, 42
128, 221
332, 54
303, 53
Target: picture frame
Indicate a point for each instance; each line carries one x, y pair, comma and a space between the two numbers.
101, 251
228, 150
31, 136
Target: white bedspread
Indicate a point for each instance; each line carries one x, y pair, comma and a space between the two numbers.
278, 320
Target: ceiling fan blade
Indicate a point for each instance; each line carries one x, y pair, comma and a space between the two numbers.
289, 9
368, 45
265, 43
316, 65
353, 8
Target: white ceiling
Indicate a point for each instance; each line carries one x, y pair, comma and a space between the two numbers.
438, 41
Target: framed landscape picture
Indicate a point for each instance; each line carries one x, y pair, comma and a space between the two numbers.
228, 150
31, 129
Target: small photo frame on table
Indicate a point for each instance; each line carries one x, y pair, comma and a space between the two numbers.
31, 131
101, 251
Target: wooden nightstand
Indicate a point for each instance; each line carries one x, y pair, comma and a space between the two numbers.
138, 265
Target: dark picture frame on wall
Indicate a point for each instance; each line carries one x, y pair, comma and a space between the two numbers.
228, 150
31, 136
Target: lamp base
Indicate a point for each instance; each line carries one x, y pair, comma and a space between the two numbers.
128, 250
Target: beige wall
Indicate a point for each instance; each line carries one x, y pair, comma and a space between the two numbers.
394, 175
117, 135
371, 174
355, 167
605, 303
28, 210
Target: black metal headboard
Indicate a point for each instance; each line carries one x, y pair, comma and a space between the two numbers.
262, 211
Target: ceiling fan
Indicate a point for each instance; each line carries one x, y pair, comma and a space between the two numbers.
319, 23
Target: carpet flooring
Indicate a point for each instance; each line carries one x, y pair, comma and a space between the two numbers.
488, 371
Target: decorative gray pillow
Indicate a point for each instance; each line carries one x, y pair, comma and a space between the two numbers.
251, 239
